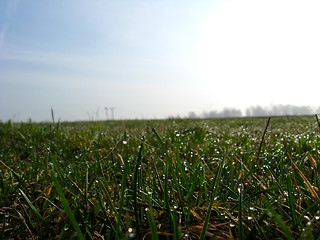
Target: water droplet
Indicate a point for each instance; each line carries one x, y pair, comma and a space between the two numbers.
131, 233
124, 142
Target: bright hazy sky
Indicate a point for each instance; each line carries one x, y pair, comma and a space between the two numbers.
154, 59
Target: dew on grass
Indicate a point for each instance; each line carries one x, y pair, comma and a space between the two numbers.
131, 233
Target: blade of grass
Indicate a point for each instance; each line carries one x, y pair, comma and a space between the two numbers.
291, 203
105, 211
62, 231
3, 228
52, 115
194, 181
21, 218
240, 214
313, 205
106, 194
135, 189
317, 120
264, 133
37, 214
123, 187
176, 231
213, 192
56, 165
276, 181
66, 206
86, 190
152, 223
278, 219
168, 162
310, 187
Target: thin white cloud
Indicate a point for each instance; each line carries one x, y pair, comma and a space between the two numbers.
10, 11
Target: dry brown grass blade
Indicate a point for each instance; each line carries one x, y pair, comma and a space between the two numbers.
314, 162
310, 187
25, 223
196, 215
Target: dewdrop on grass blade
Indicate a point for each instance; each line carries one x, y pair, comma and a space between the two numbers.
131, 233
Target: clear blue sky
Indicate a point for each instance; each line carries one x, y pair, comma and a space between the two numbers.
155, 59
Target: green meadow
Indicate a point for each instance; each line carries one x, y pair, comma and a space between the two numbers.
244, 178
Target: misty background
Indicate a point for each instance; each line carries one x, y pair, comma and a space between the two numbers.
156, 59
252, 111
258, 111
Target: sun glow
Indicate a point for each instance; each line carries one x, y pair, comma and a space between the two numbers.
249, 45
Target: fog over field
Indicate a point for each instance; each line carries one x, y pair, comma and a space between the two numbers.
156, 59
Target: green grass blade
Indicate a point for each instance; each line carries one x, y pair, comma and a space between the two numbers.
152, 223
194, 181
276, 181
240, 214
3, 228
278, 219
52, 115
213, 192
106, 194
37, 214
123, 187
66, 206
291, 203
104, 212
168, 164
135, 190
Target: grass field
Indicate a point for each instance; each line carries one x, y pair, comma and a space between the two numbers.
170, 179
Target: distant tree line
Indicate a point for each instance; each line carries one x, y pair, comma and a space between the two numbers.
258, 111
